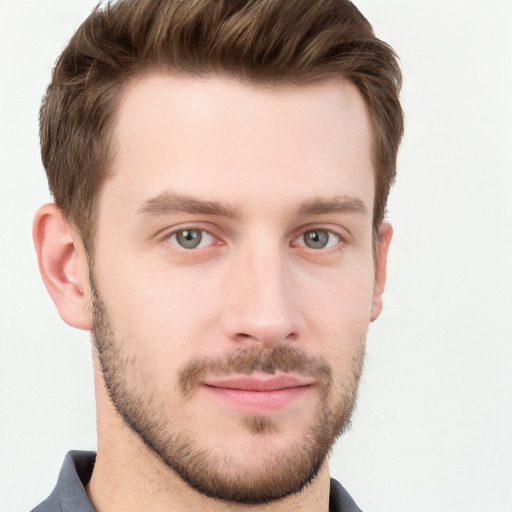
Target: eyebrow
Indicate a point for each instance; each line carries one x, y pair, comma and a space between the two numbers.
340, 204
169, 203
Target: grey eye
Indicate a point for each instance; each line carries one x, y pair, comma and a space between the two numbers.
319, 239
191, 238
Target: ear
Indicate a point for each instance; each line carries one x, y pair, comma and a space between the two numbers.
381, 257
63, 265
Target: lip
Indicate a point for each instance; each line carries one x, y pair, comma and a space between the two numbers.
258, 394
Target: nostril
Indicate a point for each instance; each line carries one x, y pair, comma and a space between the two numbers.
266, 338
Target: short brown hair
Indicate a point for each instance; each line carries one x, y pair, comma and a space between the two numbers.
259, 41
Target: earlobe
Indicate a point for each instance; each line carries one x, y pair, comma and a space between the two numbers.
381, 256
63, 265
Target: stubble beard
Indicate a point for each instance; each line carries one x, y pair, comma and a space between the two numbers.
221, 475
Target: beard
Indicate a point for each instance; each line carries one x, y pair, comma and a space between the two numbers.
220, 474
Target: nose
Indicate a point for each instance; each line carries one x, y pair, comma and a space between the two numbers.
260, 297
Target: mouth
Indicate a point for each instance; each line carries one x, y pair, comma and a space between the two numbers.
259, 394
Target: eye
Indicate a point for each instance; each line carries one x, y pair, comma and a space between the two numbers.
191, 238
318, 239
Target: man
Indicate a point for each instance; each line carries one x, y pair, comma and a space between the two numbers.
220, 172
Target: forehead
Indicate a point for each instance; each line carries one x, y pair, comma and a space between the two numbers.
220, 137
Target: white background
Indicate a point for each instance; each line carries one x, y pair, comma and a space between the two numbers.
433, 428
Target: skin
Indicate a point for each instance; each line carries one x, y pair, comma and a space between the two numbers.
262, 153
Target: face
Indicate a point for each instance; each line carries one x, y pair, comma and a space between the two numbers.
234, 279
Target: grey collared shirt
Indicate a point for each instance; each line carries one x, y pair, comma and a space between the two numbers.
69, 494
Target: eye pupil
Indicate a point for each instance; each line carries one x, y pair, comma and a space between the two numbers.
189, 238
316, 239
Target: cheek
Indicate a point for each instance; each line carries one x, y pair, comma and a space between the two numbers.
341, 298
338, 316
165, 309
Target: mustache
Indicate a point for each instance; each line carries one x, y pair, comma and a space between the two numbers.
248, 360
